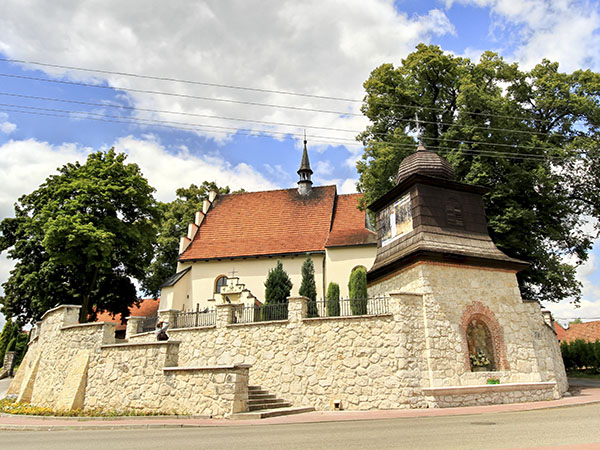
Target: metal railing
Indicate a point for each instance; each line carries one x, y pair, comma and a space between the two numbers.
349, 307
149, 324
262, 313
190, 319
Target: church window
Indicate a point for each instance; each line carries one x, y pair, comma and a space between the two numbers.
220, 282
481, 347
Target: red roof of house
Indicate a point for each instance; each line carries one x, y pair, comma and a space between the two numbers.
588, 331
147, 307
278, 222
349, 223
560, 331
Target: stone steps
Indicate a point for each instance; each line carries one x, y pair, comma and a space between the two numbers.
263, 404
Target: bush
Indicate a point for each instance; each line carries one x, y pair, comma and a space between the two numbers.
333, 300
277, 290
308, 288
357, 286
579, 355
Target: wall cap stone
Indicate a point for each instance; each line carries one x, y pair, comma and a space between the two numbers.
365, 316
88, 324
169, 310
401, 293
171, 330
140, 344
56, 309
483, 388
265, 322
206, 368
135, 317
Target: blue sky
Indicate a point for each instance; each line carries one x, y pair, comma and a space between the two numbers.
324, 47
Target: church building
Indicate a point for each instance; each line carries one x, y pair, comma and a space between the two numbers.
237, 238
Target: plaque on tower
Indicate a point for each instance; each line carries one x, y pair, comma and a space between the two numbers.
396, 220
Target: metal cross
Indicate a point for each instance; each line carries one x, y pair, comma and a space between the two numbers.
233, 272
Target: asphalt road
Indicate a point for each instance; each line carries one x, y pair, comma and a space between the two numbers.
558, 426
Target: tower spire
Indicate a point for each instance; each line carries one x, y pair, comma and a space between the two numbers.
305, 172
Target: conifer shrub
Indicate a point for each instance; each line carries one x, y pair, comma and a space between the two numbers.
357, 287
278, 287
308, 288
333, 299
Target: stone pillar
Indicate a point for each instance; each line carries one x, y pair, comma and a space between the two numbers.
168, 315
134, 324
225, 314
9, 362
297, 308
548, 318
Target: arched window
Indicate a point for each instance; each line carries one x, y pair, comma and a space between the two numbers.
481, 346
219, 283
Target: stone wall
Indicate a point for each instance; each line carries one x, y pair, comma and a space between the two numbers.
401, 359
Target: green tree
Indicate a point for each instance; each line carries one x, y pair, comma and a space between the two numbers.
278, 287
174, 219
531, 136
5, 337
333, 299
308, 287
357, 287
80, 238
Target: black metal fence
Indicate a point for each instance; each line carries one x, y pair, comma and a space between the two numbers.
149, 323
262, 313
190, 319
348, 307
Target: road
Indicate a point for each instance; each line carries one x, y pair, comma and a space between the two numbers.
558, 426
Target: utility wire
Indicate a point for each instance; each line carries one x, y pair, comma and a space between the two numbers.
174, 94
217, 129
246, 88
263, 122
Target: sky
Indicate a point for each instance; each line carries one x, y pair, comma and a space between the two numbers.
208, 90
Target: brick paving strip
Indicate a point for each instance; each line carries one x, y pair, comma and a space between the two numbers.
582, 396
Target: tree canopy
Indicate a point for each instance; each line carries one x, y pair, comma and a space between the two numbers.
79, 239
174, 219
530, 136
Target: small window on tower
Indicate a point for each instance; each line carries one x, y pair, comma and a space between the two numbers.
454, 214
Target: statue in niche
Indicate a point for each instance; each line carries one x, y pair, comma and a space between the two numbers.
481, 350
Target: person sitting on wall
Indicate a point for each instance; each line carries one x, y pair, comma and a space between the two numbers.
161, 331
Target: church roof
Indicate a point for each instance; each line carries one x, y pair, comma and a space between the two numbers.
147, 307
276, 223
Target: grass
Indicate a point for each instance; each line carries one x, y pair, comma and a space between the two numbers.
584, 373
9, 407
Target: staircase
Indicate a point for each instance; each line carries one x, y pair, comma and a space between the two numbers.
262, 404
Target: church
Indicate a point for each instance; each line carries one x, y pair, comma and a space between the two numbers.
237, 238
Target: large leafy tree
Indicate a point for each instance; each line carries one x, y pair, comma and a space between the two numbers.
174, 219
530, 136
80, 238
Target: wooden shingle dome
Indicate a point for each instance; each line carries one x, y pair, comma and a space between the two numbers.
424, 162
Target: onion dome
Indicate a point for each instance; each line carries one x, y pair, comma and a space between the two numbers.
424, 162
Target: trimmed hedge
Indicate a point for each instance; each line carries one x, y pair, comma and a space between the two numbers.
579, 354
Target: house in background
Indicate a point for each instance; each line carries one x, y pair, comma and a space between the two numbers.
148, 308
587, 331
237, 238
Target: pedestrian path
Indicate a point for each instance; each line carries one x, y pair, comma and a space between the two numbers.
583, 395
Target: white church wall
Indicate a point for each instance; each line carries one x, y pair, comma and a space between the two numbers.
339, 262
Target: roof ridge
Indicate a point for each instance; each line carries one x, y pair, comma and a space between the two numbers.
275, 190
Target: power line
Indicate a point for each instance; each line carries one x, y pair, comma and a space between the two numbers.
51, 112
270, 91
263, 122
174, 94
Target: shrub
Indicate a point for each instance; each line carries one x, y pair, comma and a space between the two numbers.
277, 290
579, 354
308, 288
357, 286
333, 300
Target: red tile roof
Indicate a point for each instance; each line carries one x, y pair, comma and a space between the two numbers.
147, 307
275, 223
588, 331
349, 223
560, 331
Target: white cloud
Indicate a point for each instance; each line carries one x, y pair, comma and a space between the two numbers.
323, 47
7, 127
566, 31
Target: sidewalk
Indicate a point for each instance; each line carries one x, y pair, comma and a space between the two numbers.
582, 396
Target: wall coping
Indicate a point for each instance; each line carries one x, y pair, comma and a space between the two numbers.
265, 322
140, 344
171, 330
135, 317
401, 293
364, 316
206, 368
57, 308
483, 388
88, 324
